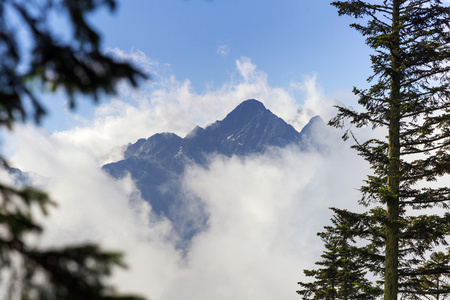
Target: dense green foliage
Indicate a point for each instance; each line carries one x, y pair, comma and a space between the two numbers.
74, 64
409, 99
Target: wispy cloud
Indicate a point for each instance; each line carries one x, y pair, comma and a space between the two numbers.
223, 50
166, 104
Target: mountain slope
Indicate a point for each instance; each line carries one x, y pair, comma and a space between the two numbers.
157, 163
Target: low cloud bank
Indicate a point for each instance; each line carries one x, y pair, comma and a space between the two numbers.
264, 210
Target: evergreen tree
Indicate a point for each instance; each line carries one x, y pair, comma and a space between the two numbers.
75, 64
409, 97
343, 267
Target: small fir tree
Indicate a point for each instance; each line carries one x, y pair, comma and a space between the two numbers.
343, 269
432, 280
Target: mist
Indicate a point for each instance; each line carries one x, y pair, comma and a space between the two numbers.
264, 210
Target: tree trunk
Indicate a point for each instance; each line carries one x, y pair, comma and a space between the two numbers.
392, 201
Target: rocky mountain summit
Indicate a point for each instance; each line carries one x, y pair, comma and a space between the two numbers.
156, 163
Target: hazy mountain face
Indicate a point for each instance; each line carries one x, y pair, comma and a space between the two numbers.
156, 164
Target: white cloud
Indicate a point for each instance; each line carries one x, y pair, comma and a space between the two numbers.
264, 210
223, 50
248, 70
92, 207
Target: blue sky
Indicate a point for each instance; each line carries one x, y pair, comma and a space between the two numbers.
287, 39
200, 41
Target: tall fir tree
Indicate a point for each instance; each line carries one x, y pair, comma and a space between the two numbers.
76, 65
409, 98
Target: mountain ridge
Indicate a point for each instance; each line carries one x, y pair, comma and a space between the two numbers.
157, 163
250, 123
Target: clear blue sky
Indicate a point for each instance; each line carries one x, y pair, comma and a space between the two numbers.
287, 39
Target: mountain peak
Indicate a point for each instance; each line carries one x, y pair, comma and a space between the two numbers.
313, 124
250, 105
194, 132
247, 109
